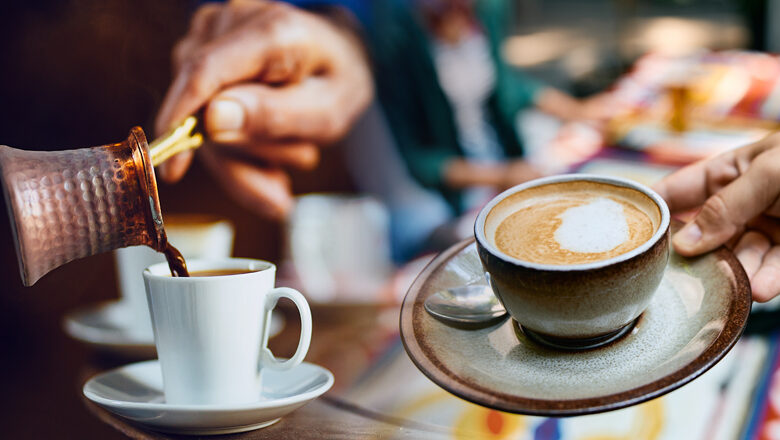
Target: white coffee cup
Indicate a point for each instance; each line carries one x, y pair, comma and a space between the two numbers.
195, 236
211, 332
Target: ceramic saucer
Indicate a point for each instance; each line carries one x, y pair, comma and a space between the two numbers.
109, 326
695, 317
135, 392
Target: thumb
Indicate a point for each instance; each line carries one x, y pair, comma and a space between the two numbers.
725, 213
225, 120
310, 110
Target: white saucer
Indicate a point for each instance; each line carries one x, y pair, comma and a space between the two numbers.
135, 392
109, 326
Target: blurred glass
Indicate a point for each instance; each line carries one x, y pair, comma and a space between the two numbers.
339, 247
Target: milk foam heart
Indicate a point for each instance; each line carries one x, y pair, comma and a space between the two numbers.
598, 226
572, 222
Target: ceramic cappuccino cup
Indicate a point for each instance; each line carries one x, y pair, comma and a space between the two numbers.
211, 329
575, 259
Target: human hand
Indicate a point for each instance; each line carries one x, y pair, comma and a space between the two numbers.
462, 173
738, 195
276, 83
597, 109
518, 171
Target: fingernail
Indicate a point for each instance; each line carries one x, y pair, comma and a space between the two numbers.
225, 116
688, 236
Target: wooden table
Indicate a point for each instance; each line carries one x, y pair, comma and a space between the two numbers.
324, 418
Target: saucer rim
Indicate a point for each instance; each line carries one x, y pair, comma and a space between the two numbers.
737, 316
157, 406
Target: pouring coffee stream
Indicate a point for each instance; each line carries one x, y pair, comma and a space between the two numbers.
177, 140
65, 205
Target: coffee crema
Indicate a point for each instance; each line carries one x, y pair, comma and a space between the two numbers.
219, 272
572, 222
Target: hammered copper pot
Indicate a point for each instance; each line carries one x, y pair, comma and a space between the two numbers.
66, 205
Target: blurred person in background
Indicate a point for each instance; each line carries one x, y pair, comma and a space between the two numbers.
277, 82
451, 102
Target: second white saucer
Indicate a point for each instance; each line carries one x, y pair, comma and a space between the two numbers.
110, 326
135, 392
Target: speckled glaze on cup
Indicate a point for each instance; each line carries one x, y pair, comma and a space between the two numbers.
581, 305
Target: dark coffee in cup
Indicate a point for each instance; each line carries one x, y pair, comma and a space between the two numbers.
219, 272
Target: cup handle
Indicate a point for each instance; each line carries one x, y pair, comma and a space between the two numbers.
268, 359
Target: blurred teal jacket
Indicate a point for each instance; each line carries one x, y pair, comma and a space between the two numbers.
415, 105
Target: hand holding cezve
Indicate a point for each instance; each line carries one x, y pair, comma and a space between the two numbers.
275, 83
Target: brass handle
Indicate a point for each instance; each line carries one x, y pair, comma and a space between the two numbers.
175, 141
